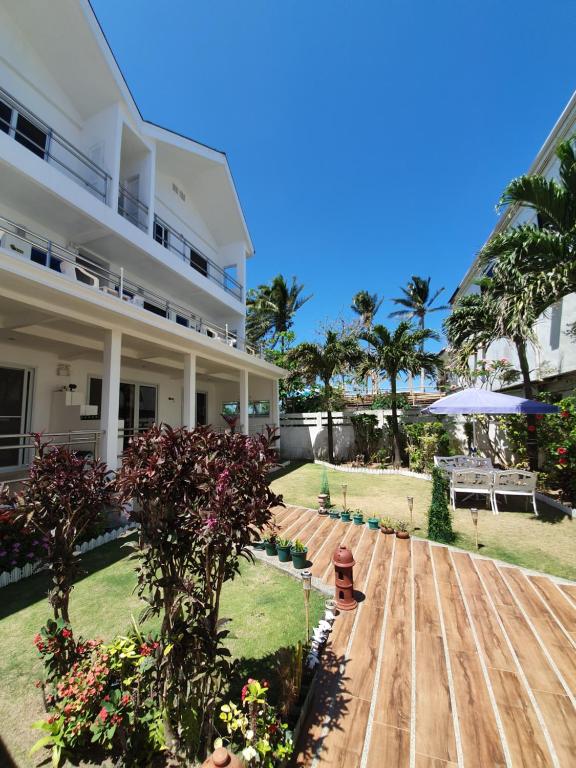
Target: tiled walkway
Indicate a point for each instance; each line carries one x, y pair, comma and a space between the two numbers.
449, 659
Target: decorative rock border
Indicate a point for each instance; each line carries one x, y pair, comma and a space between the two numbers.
368, 471
17, 574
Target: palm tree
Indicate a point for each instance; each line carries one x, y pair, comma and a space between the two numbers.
418, 302
543, 251
366, 305
397, 352
503, 310
314, 361
271, 309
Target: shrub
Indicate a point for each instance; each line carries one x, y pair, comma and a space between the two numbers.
200, 499
426, 440
367, 434
256, 730
439, 518
385, 400
63, 495
325, 485
19, 542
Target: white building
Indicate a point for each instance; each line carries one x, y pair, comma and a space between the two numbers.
123, 253
553, 359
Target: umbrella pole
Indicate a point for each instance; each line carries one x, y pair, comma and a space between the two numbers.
474, 446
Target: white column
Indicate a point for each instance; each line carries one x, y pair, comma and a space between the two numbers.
244, 401
110, 398
189, 398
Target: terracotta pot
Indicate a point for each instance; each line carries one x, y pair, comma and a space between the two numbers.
387, 530
402, 535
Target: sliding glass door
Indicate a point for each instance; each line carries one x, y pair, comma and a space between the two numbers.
15, 393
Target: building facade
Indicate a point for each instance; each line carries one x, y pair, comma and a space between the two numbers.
123, 252
552, 358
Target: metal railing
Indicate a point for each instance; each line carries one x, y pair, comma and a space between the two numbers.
34, 134
81, 269
132, 208
178, 244
22, 446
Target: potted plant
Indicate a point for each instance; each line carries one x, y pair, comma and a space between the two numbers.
373, 523
299, 554
402, 530
358, 517
334, 513
258, 544
345, 515
283, 547
386, 525
324, 495
269, 540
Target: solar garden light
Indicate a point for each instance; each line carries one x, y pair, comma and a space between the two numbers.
410, 500
474, 515
344, 489
307, 586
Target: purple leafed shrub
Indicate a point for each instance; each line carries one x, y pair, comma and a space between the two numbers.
63, 495
200, 499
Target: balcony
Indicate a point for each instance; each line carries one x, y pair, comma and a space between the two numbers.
80, 269
178, 244
132, 208
31, 132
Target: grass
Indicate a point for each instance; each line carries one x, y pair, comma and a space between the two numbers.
265, 605
545, 543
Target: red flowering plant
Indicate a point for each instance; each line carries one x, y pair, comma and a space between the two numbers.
105, 704
63, 495
256, 730
200, 499
58, 648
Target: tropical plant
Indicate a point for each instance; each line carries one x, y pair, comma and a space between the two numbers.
200, 499
367, 434
397, 352
298, 546
256, 730
64, 494
366, 305
417, 303
315, 361
426, 440
283, 543
289, 667
271, 310
401, 525
542, 252
384, 401
439, 518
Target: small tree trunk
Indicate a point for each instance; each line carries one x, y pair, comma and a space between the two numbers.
532, 440
396, 454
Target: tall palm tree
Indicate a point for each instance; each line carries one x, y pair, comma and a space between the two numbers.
543, 251
366, 305
397, 352
313, 361
417, 303
271, 309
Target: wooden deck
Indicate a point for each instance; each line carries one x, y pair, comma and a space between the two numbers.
449, 659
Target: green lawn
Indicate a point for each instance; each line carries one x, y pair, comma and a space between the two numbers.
546, 543
265, 605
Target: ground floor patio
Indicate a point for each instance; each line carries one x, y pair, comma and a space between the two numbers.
450, 659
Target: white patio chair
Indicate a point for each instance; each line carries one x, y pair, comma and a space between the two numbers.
71, 271
514, 482
471, 481
475, 462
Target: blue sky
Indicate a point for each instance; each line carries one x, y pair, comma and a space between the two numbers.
369, 140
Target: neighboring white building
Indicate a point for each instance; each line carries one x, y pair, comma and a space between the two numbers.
553, 358
123, 253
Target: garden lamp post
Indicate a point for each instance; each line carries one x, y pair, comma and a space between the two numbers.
344, 489
307, 586
474, 515
410, 500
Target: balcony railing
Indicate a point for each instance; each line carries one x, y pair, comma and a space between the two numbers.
167, 236
33, 133
80, 269
132, 208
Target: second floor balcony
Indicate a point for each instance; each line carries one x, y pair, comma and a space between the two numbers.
30, 131
83, 271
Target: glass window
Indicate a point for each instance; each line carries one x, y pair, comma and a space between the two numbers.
161, 234
30, 136
5, 117
199, 263
231, 409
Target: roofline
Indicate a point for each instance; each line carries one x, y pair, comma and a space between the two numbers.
561, 128
129, 97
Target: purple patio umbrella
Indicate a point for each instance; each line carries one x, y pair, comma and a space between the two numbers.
474, 401
470, 401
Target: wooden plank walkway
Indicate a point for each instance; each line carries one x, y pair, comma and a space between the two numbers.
449, 660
